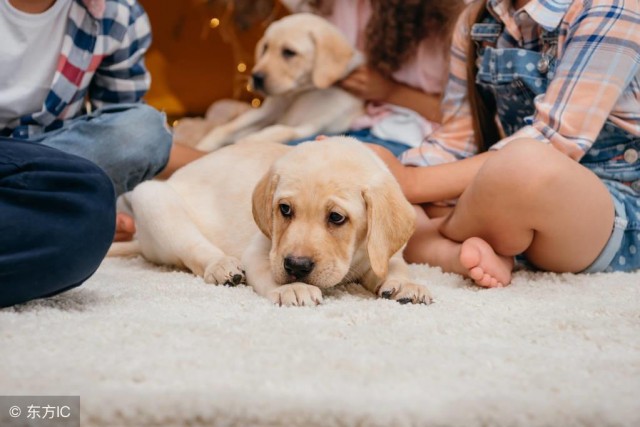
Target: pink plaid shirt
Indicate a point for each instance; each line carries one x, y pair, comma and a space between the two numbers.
597, 77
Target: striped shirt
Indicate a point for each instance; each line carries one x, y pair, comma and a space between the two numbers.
101, 61
597, 78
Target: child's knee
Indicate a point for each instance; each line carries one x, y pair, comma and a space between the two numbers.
147, 129
143, 148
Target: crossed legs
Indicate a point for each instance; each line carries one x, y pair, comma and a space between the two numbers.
527, 198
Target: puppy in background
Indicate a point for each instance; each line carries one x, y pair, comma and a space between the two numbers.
302, 219
298, 61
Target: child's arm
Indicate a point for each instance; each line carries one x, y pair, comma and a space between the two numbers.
121, 76
433, 183
368, 84
425, 104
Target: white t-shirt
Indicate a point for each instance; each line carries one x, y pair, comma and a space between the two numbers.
30, 47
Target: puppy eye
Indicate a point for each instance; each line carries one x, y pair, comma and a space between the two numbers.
285, 210
288, 53
336, 218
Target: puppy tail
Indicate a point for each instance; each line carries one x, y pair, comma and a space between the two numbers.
124, 249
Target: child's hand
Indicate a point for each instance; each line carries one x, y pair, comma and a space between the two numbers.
368, 84
395, 166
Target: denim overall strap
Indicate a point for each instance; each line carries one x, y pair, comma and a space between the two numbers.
486, 33
512, 77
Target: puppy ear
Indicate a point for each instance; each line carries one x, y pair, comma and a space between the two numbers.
333, 54
262, 202
390, 223
258, 51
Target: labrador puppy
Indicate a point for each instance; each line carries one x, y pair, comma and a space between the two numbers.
302, 219
298, 60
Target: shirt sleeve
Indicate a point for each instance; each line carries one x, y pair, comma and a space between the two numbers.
454, 139
599, 60
122, 76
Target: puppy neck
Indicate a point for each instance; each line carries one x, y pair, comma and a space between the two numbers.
356, 60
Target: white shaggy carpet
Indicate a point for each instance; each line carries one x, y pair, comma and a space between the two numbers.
144, 345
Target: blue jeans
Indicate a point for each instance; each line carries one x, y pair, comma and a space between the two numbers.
364, 135
57, 220
130, 142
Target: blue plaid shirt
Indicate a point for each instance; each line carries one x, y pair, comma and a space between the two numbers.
101, 62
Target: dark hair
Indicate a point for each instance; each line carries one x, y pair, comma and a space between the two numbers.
396, 27
483, 111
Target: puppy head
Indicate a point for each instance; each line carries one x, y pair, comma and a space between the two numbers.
332, 211
299, 52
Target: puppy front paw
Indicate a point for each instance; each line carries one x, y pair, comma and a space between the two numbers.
296, 294
226, 271
213, 140
251, 139
404, 292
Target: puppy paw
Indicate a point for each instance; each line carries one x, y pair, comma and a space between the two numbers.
251, 139
227, 271
404, 292
296, 294
212, 141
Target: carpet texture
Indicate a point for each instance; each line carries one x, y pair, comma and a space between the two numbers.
145, 345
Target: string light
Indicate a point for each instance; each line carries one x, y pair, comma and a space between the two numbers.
226, 24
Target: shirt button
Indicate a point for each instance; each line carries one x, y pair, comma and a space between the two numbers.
636, 185
631, 156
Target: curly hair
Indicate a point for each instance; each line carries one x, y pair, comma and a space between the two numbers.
397, 27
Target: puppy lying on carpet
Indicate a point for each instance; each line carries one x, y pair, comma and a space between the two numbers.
298, 60
326, 213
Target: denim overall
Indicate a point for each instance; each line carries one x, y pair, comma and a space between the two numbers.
513, 77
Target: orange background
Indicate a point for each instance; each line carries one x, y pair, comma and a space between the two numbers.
193, 62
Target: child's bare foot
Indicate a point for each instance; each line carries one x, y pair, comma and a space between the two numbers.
485, 267
125, 227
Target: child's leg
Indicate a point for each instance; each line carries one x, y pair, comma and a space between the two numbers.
428, 245
531, 198
58, 216
528, 198
130, 142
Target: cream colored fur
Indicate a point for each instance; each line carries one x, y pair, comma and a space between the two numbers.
202, 219
301, 57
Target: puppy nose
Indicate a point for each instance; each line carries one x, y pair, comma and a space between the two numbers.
258, 80
298, 267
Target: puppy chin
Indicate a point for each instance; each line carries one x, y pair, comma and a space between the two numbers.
286, 88
281, 277
325, 281
319, 279
275, 91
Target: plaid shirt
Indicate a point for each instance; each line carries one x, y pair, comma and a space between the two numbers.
101, 61
597, 77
